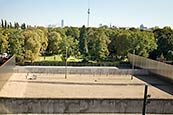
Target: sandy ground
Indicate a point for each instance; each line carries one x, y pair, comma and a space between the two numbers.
78, 86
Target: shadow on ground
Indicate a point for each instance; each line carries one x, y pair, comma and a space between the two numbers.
157, 82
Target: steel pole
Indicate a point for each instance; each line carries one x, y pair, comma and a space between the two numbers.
66, 64
133, 65
145, 100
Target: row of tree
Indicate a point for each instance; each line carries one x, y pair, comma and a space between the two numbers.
5, 24
87, 43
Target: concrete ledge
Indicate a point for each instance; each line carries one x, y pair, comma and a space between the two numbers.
87, 106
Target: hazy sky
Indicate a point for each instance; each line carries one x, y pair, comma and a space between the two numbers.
124, 13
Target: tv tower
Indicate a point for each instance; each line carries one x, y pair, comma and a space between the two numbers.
88, 22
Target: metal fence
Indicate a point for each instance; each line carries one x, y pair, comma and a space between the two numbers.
6, 70
152, 66
78, 70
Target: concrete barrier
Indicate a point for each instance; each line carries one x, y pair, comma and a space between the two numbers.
6, 70
165, 71
56, 106
78, 70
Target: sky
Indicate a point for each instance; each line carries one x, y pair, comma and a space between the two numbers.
120, 13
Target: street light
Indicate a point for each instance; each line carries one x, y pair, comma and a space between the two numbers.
66, 63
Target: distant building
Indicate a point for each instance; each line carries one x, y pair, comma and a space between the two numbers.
142, 27
52, 26
100, 25
62, 23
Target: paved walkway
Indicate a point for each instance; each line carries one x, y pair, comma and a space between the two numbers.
78, 86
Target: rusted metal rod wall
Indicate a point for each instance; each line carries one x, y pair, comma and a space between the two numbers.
6, 70
153, 66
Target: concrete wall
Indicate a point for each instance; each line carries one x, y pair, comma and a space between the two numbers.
6, 70
159, 68
50, 106
78, 70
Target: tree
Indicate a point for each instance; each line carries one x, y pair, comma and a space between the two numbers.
3, 42
122, 44
170, 55
164, 38
16, 44
11, 26
83, 43
59, 30
70, 46
2, 23
124, 41
6, 24
32, 45
23, 26
16, 25
143, 42
98, 44
54, 40
73, 32
112, 34
42, 32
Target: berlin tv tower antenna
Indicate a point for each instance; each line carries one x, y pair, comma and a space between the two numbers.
88, 22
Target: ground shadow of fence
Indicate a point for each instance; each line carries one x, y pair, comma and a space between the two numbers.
157, 82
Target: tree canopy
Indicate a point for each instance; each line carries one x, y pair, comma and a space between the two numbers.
97, 44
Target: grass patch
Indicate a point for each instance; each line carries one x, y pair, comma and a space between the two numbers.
57, 58
73, 59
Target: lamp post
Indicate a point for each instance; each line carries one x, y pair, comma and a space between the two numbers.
66, 63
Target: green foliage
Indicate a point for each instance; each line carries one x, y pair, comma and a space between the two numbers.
61, 31
164, 38
54, 41
90, 44
16, 44
98, 44
2, 23
3, 41
122, 43
112, 34
73, 32
32, 45
5, 25
42, 32
143, 43
16, 25
69, 47
83, 42
55, 58
170, 55
23, 26
11, 26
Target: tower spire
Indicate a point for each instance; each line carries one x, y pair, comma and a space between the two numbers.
88, 14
